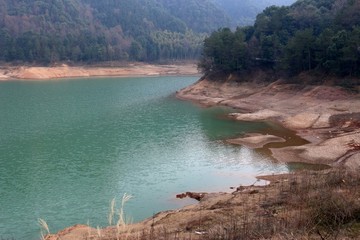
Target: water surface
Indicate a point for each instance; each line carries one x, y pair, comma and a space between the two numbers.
68, 147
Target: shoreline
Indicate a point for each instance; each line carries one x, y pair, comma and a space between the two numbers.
324, 116
24, 73
327, 117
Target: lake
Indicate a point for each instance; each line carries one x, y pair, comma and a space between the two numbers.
68, 147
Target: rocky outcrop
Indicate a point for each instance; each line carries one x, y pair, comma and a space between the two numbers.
328, 117
255, 140
193, 195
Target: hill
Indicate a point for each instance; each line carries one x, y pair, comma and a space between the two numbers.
92, 31
243, 13
320, 37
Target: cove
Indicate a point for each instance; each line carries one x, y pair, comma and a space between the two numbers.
68, 147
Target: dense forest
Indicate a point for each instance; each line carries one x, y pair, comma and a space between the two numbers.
321, 36
91, 31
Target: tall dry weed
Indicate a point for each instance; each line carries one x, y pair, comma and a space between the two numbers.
44, 228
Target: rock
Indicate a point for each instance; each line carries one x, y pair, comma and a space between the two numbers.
196, 196
193, 195
256, 116
181, 196
256, 140
353, 162
247, 190
302, 120
254, 191
240, 188
323, 121
324, 152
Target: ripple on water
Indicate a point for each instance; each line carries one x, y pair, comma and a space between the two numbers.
68, 147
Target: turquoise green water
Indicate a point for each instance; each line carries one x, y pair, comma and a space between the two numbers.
68, 147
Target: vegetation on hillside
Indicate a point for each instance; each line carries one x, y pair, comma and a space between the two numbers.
89, 31
200, 16
311, 35
92, 31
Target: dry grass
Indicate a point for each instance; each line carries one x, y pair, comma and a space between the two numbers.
112, 211
302, 205
121, 223
44, 228
306, 205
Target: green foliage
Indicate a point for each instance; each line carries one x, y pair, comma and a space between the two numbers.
136, 17
225, 51
90, 31
172, 45
200, 16
319, 36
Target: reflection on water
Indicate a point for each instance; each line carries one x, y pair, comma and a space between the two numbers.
225, 127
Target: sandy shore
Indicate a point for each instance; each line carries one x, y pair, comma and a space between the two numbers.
327, 117
65, 71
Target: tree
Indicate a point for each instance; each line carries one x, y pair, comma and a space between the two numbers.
295, 39
300, 52
224, 51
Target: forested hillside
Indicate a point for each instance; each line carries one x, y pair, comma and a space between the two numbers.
200, 16
321, 36
91, 30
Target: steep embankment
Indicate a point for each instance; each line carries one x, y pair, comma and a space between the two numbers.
327, 116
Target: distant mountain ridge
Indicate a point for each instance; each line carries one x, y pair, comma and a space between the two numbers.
243, 12
92, 30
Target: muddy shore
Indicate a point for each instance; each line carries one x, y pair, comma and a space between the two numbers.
327, 117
